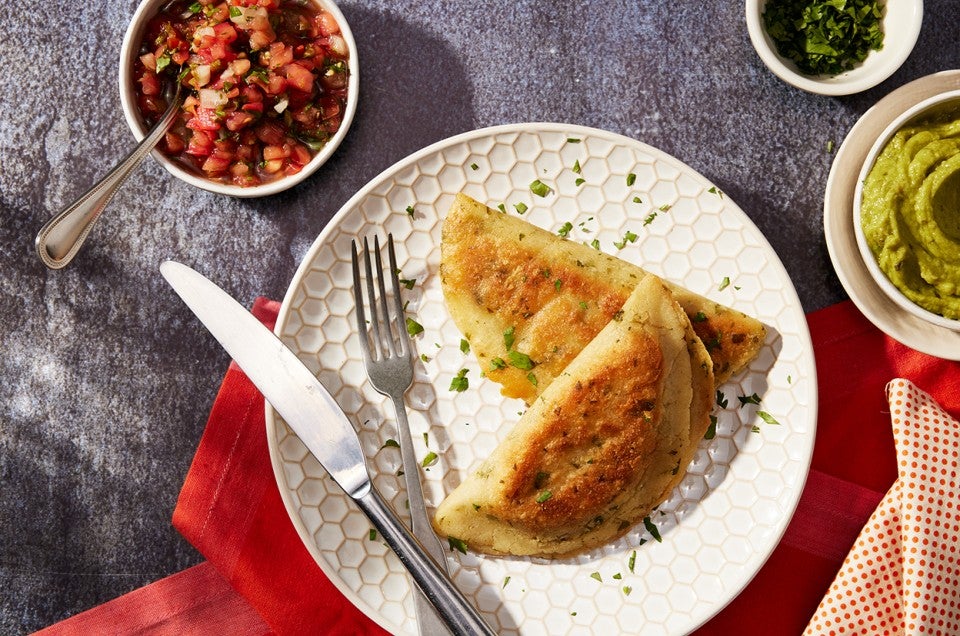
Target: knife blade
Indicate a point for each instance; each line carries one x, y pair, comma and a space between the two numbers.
316, 418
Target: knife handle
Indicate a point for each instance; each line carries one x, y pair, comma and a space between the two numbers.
461, 617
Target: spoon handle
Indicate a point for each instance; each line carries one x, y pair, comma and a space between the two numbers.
61, 237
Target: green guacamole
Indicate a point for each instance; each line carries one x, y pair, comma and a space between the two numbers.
910, 213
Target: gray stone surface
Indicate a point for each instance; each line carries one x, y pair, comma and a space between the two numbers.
106, 380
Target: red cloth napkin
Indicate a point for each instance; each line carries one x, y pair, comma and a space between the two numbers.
231, 511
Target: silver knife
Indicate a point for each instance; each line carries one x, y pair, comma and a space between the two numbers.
322, 426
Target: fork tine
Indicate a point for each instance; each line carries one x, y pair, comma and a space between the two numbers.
391, 347
358, 303
404, 337
371, 295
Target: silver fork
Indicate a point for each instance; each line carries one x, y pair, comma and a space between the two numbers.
388, 357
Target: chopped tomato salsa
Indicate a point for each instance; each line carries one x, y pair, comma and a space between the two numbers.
266, 81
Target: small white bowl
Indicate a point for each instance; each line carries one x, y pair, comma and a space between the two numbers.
901, 26
128, 55
945, 101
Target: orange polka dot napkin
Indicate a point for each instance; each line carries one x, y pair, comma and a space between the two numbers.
902, 575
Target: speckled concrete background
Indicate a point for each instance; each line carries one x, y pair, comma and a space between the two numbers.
106, 380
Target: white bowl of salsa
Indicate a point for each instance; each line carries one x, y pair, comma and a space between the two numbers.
271, 88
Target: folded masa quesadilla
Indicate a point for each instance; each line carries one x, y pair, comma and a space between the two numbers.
618, 368
604, 444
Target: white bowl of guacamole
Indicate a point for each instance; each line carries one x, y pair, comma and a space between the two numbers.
907, 210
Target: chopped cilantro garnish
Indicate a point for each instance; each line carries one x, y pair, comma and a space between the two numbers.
715, 190
521, 207
430, 459
508, 338
632, 561
721, 399
637, 200
195, 7
631, 179
474, 166
573, 140
830, 146
627, 589
460, 382
766, 417
424, 357
457, 544
373, 534
724, 283
652, 529
408, 283
546, 494
617, 576
539, 188
650, 218
596, 575
506, 580
579, 181
665, 207
595, 244
749, 399
699, 317
498, 363
390, 443
464, 345
564, 230
235, 12
413, 327
712, 429
410, 211
714, 343
520, 360
629, 237
557, 284
532, 379
576, 166
502, 207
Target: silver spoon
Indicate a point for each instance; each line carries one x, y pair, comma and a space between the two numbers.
61, 237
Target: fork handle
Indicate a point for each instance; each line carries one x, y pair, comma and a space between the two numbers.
419, 520
460, 616
428, 622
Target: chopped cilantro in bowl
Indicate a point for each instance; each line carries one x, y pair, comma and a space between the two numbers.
833, 47
825, 37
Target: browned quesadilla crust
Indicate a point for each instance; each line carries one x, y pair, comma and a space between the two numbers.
501, 274
601, 447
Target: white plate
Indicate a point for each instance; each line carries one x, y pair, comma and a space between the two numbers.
727, 515
839, 229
